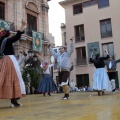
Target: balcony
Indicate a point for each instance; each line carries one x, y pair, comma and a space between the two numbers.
81, 61
79, 39
28, 32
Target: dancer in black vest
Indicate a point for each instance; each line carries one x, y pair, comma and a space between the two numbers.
100, 80
111, 67
11, 82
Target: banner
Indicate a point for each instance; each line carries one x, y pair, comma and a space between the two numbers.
4, 25
37, 41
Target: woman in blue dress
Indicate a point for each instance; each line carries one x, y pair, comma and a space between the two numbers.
47, 84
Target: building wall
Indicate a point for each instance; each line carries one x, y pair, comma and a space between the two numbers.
90, 18
16, 10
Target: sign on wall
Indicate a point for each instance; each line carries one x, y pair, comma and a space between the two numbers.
4, 25
94, 48
37, 41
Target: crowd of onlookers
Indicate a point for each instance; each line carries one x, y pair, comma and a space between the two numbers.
74, 88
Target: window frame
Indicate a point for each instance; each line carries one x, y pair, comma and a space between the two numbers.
107, 44
106, 31
79, 36
81, 56
2, 10
80, 10
34, 26
104, 5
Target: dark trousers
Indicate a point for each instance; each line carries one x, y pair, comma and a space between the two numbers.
112, 75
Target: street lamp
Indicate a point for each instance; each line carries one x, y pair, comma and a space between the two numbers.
24, 54
35, 57
30, 53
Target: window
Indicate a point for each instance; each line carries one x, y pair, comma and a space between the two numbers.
106, 28
79, 33
64, 38
82, 80
81, 56
2, 10
89, 3
77, 9
92, 2
109, 47
86, 4
31, 24
103, 3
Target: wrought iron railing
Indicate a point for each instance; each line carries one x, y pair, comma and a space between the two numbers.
81, 61
28, 32
79, 38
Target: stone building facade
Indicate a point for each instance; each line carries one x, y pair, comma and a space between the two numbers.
35, 12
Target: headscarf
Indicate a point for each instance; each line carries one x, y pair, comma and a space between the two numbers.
45, 66
6, 32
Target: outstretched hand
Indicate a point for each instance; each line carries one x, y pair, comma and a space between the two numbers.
106, 51
91, 55
24, 23
71, 39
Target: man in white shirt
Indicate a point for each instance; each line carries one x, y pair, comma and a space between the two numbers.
111, 67
64, 65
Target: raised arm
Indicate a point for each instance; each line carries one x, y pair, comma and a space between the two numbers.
91, 60
105, 58
41, 64
20, 61
51, 65
18, 34
71, 48
117, 61
53, 52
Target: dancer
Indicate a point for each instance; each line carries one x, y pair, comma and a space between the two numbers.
11, 82
111, 67
20, 60
100, 80
64, 66
47, 84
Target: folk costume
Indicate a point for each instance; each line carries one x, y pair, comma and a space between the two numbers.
100, 79
11, 82
47, 84
64, 65
111, 67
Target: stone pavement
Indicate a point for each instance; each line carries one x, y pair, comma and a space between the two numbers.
80, 106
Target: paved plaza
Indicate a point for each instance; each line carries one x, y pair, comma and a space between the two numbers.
80, 106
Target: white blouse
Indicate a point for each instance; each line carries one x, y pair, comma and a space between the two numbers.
48, 69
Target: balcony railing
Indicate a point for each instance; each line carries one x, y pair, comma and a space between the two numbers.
81, 61
79, 39
28, 32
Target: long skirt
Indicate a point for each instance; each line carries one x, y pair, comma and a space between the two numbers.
101, 80
17, 68
9, 81
47, 84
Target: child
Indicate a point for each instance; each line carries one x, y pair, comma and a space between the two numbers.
47, 84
